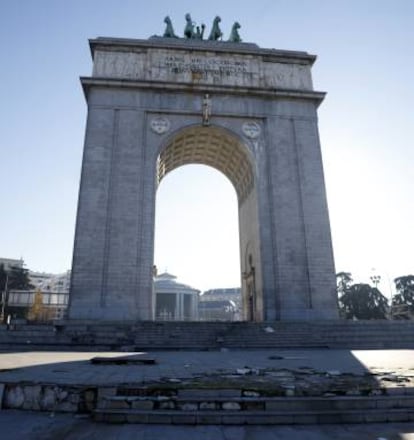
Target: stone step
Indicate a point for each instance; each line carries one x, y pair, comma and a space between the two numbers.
199, 400
210, 335
232, 406
228, 417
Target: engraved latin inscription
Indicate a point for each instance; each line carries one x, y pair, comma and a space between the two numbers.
205, 66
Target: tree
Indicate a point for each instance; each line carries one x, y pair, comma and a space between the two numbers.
3, 278
405, 292
14, 278
362, 301
3, 282
19, 279
343, 282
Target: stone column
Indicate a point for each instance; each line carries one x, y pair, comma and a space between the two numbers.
177, 307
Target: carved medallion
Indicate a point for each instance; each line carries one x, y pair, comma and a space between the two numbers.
160, 125
251, 129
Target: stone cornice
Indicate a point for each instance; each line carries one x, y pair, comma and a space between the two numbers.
89, 82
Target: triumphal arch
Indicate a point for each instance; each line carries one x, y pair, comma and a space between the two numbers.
251, 113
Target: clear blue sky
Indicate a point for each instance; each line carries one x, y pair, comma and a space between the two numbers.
365, 64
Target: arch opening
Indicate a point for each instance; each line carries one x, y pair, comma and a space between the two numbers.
223, 151
197, 240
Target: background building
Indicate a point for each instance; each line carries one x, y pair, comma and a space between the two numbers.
46, 300
51, 282
52, 305
173, 300
11, 262
221, 305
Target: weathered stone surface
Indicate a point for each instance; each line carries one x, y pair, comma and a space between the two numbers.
231, 406
48, 400
66, 407
184, 419
208, 406
118, 404
1, 394
32, 397
167, 405
61, 395
257, 69
15, 397
276, 169
188, 406
137, 418
143, 404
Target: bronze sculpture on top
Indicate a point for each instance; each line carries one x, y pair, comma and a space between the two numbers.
193, 32
169, 30
189, 29
216, 33
234, 36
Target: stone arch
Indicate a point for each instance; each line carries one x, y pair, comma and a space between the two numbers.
265, 97
213, 146
225, 151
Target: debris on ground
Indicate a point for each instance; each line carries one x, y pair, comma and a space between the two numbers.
123, 360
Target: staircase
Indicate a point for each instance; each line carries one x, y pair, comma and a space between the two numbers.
67, 335
243, 407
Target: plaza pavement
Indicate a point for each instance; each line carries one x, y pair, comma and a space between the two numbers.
75, 368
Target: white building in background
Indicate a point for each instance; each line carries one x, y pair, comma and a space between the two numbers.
58, 283
174, 301
11, 262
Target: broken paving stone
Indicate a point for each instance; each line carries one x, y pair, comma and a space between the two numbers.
280, 374
123, 360
247, 371
243, 371
334, 373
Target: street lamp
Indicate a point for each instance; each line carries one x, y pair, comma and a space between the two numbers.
375, 280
